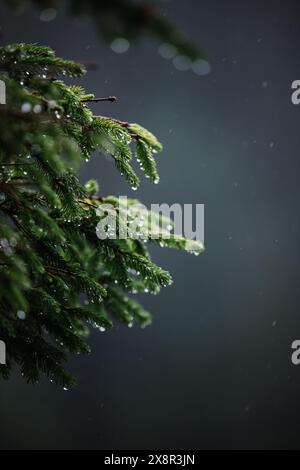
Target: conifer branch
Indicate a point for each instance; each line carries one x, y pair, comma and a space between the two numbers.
51, 258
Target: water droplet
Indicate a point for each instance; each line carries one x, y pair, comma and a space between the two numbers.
21, 314
37, 108
201, 67
120, 45
48, 14
26, 107
182, 63
167, 51
52, 104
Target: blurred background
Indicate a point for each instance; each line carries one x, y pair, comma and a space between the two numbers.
214, 370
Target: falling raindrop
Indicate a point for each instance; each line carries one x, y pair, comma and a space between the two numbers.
48, 14
120, 45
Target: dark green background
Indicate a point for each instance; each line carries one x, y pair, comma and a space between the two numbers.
214, 370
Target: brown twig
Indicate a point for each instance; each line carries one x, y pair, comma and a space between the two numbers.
15, 164
88, 204
57, 269
112, 99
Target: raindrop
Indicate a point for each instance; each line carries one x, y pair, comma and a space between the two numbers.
26, 107
201, 67
182, 63
48, 14
21, 314
52, 104
167, 51
37, 108
120, 45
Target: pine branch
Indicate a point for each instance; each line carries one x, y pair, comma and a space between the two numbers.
58, 276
